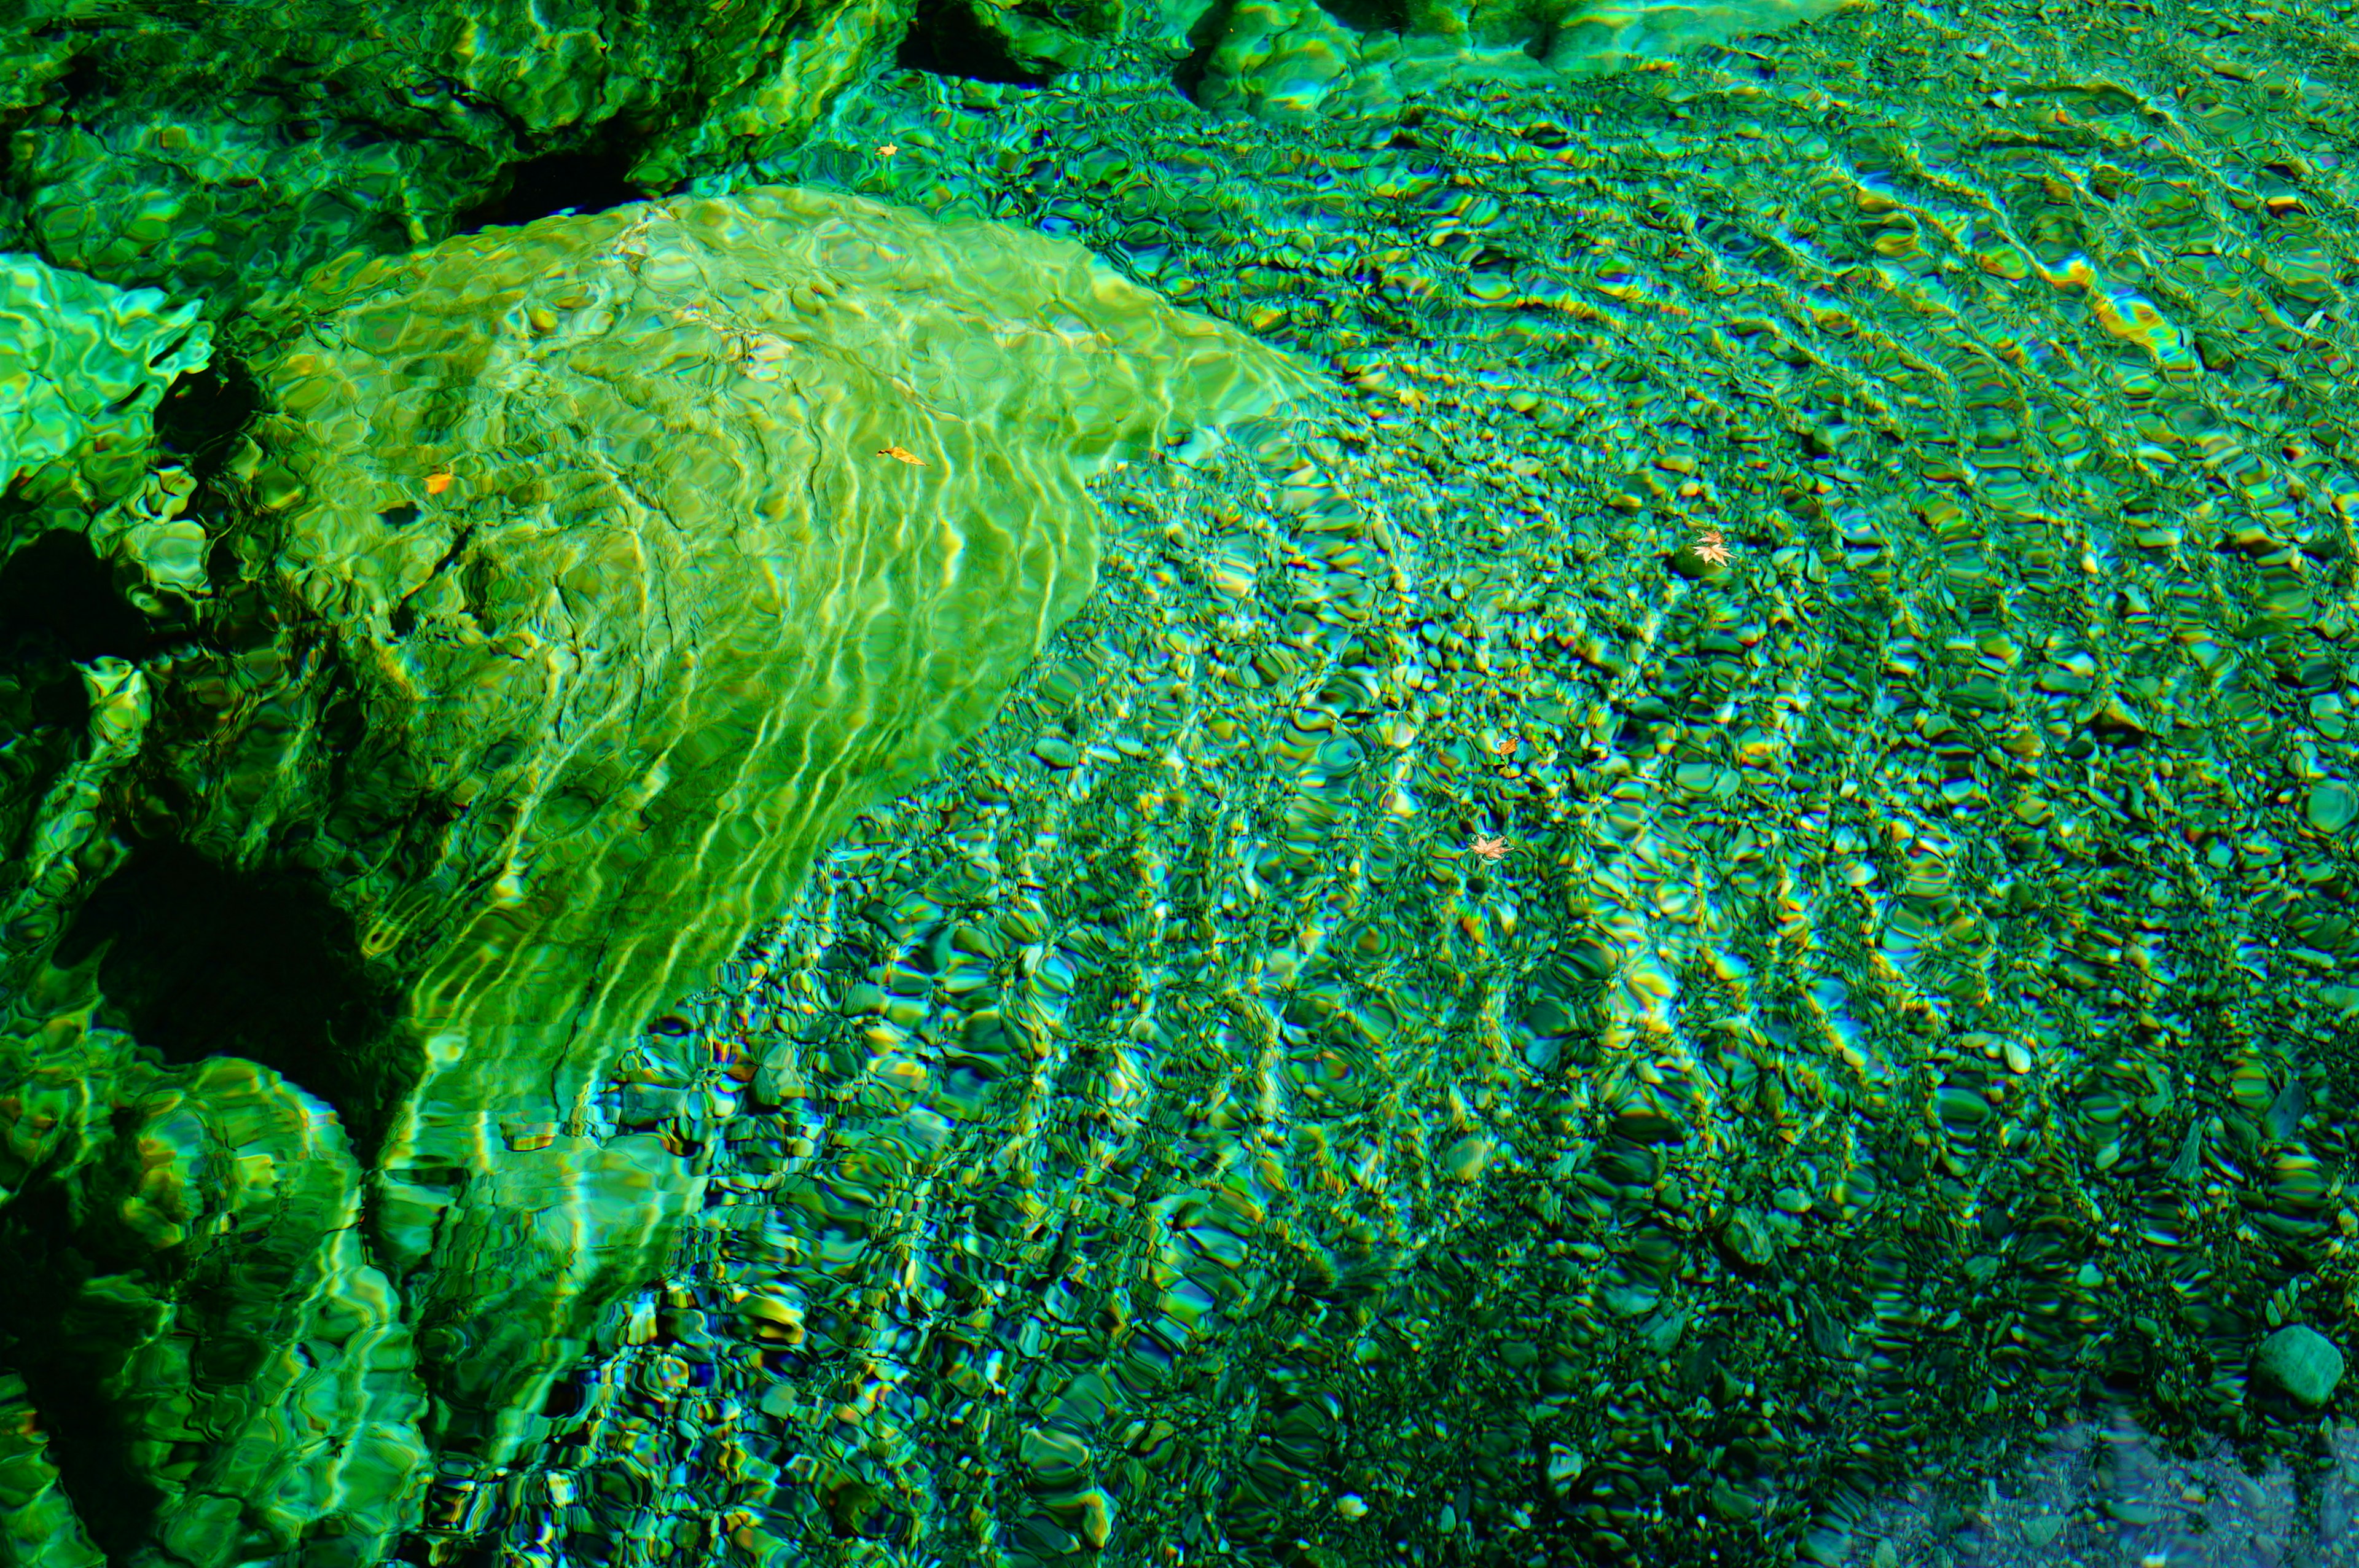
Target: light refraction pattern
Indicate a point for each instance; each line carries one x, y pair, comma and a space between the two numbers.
1892, 1098
1919, 992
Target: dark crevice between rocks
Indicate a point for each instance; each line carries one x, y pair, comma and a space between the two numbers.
588, 179
85, 83
199, 418
68, 1347
59, 607
208, 961
39, 687
199, 422
59, 604
1364, 17
945, 38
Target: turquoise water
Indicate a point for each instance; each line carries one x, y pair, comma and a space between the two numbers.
1704, 917
1907, 1029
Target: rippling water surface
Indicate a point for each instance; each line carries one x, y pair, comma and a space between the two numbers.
1706, 918
1893, 1084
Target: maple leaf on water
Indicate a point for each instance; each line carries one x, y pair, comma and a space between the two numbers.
1710, 549
1490, 849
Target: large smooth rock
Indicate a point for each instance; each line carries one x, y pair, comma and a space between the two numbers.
583, 585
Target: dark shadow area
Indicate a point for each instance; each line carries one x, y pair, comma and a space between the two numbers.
85, 81
945, 39
58, 600
60, 702
68, 1347
202, 414
211, 962
37, 686
590, 180
56, 606
1369, 15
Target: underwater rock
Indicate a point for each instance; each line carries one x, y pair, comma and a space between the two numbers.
2331, 806
1590, 38
584, 578
2303, 1362
381, 126
38, 1523
224, 1366
217, 208
1022, 41
82, 365
1277, 59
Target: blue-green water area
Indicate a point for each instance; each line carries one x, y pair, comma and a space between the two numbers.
1702, 908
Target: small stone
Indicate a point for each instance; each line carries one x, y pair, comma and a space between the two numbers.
2040, 1529
1097, 1519
1730, 1503
1747, 1240
2303, 1362
2332, 804
1564, 1466
1053, 1454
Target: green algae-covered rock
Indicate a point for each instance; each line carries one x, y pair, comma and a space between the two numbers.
2303, 1362
1278, 58
83, 366
581, 580
219, 149
652, 542
207, 1329
28, 63
217, 208
1020, 40
1593, 37
38, 1527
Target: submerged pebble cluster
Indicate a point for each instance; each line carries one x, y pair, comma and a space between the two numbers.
1711, 925
1917, 997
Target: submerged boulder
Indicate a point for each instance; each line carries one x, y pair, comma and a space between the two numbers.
222, 149
582, 579
83, 366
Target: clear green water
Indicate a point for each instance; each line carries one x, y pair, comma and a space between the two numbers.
1710, 921
1913, 1017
